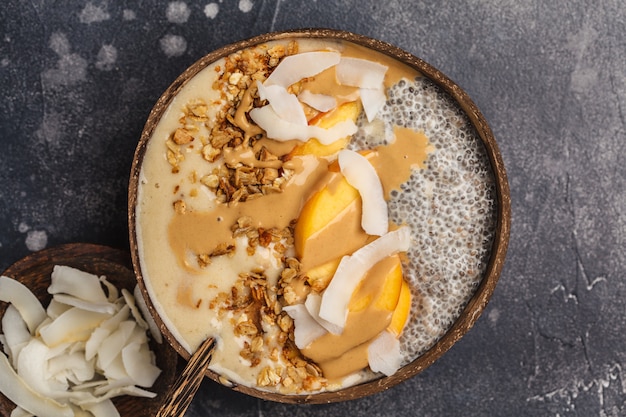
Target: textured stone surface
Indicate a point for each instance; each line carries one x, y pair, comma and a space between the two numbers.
78, 79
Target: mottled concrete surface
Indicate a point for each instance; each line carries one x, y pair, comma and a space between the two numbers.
79, 77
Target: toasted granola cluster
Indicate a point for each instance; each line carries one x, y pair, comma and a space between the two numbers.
230, 130
254, 309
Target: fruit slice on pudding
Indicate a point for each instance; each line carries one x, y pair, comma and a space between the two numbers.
329, 225
346, 111
380, 303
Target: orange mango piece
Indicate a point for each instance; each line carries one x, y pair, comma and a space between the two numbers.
402, 310
327, 120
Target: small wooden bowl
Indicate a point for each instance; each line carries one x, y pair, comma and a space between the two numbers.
34, 272
476, 303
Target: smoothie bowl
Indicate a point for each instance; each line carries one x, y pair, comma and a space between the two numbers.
331, 209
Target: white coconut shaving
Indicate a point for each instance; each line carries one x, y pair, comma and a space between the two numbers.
360, 174
296, 67
283, 130
320, 102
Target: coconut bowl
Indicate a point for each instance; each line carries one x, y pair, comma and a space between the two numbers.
470, 310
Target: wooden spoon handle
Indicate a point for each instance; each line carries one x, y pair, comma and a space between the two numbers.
182, 392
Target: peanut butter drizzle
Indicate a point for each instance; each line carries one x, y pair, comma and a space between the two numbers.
241, 120
246, 156
361, 326
341, 237
326, 83
276, 147
395, 69
201, 232
395, 161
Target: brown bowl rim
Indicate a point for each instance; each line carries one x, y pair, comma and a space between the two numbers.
476, 304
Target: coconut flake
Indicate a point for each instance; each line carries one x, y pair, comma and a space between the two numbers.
16, 334
384, 355
70, 300
360, 174
71, 365
113, 345
103, 331
284, 104
16, 390
16, 293
73, 325
113, 293
320, 102
104, 408
373, 99
130, 302
352, 269
20, 412
306, 328
32, 367
56, 308
80, 284
312, 303
139, 364
293, 68
361, 73
282, 130
152, 326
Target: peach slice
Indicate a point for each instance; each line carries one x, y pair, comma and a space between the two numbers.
346, 111
389, 295
352, 271
319, 276
370, 311
331, 215
402, 310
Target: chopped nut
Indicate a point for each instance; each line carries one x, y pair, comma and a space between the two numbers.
265, 238
204, 260
180, 207
245, 175
269, 176
182, 137
268, 377
291, 297
274, 355
288, 274
239, 195
199, 110
212, 181
235, 78
257, 344
223, 249
225, 382
210, 153
246, 328
313, 369
287, 382
285, 322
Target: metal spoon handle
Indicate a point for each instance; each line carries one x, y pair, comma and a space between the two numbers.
182, 392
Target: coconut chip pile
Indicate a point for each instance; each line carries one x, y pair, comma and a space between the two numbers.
88, 345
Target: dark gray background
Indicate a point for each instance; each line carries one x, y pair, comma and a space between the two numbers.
78, 79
